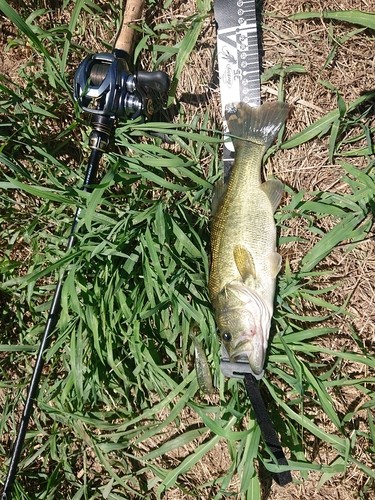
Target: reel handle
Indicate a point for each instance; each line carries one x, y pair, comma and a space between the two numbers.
126, 38
155, 80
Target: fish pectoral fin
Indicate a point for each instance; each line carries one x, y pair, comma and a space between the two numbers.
274, 190
218, 193
275, 263
244, 262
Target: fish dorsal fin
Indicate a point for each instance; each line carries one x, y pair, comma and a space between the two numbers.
244, 262
218, 193
274, 190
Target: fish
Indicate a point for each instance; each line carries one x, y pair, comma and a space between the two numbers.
244, 257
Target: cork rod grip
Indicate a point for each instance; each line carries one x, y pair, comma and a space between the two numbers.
126, 37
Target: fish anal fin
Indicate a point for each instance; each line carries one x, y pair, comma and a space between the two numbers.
244, 262
274, 259
274, 189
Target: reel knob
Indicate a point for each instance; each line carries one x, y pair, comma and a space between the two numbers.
155, 80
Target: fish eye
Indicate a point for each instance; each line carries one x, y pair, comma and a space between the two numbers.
227, 337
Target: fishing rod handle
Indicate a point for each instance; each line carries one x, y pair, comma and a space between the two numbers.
126, 38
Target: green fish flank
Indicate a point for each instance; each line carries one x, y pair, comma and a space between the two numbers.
244, 258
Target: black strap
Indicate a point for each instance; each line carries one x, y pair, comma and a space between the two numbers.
266, 427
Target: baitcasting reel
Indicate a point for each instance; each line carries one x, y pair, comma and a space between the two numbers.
104, 86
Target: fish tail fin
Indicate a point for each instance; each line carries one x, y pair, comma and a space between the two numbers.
259, 124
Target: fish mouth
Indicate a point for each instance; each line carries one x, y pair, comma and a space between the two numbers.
242, 348
246, 352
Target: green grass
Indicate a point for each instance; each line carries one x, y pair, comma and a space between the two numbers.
119, 378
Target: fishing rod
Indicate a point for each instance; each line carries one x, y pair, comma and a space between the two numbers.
105, 88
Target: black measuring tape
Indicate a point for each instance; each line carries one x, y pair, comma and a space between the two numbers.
241, 369
266, 427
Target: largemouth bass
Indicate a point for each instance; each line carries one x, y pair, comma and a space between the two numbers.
244, 259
